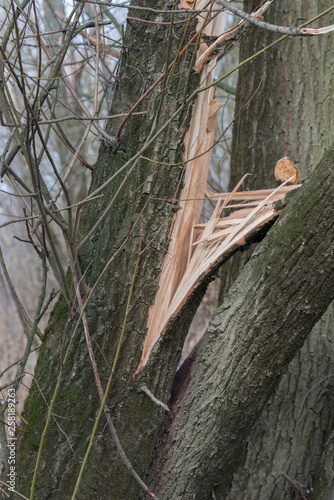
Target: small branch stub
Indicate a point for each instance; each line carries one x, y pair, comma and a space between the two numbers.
285, 169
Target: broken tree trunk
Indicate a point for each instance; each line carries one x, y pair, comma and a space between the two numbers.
283, 290
188, 256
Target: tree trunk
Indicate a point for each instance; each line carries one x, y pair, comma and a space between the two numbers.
140, 205
242, 357
293, 109
263, 321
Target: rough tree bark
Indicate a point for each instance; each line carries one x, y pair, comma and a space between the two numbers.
293, 109
136, 417
268, 313
223, 389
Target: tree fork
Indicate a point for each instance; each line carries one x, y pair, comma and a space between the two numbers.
281, 293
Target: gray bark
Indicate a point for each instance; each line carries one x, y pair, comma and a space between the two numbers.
294, 109
135, 417
271, 308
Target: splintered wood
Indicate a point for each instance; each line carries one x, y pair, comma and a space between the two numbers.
195, 247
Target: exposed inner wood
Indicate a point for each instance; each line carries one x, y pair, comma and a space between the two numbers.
195, 247
285, 169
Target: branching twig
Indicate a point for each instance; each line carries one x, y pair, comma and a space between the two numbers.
284, 30
33, 329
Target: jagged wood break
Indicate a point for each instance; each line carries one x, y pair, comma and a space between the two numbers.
194, 247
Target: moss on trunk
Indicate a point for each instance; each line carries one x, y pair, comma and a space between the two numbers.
290, 115
140, 205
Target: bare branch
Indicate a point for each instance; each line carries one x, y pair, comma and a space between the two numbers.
291, 31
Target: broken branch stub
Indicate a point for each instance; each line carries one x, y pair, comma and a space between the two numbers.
285, 169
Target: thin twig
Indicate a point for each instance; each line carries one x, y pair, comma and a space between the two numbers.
103, 397
23, 315
145, 389
86, 118
290, 31
15, 491
34, 328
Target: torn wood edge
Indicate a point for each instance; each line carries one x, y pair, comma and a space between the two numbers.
197, 156
184, 262
209, 251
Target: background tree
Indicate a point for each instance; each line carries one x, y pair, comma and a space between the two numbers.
93, 344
